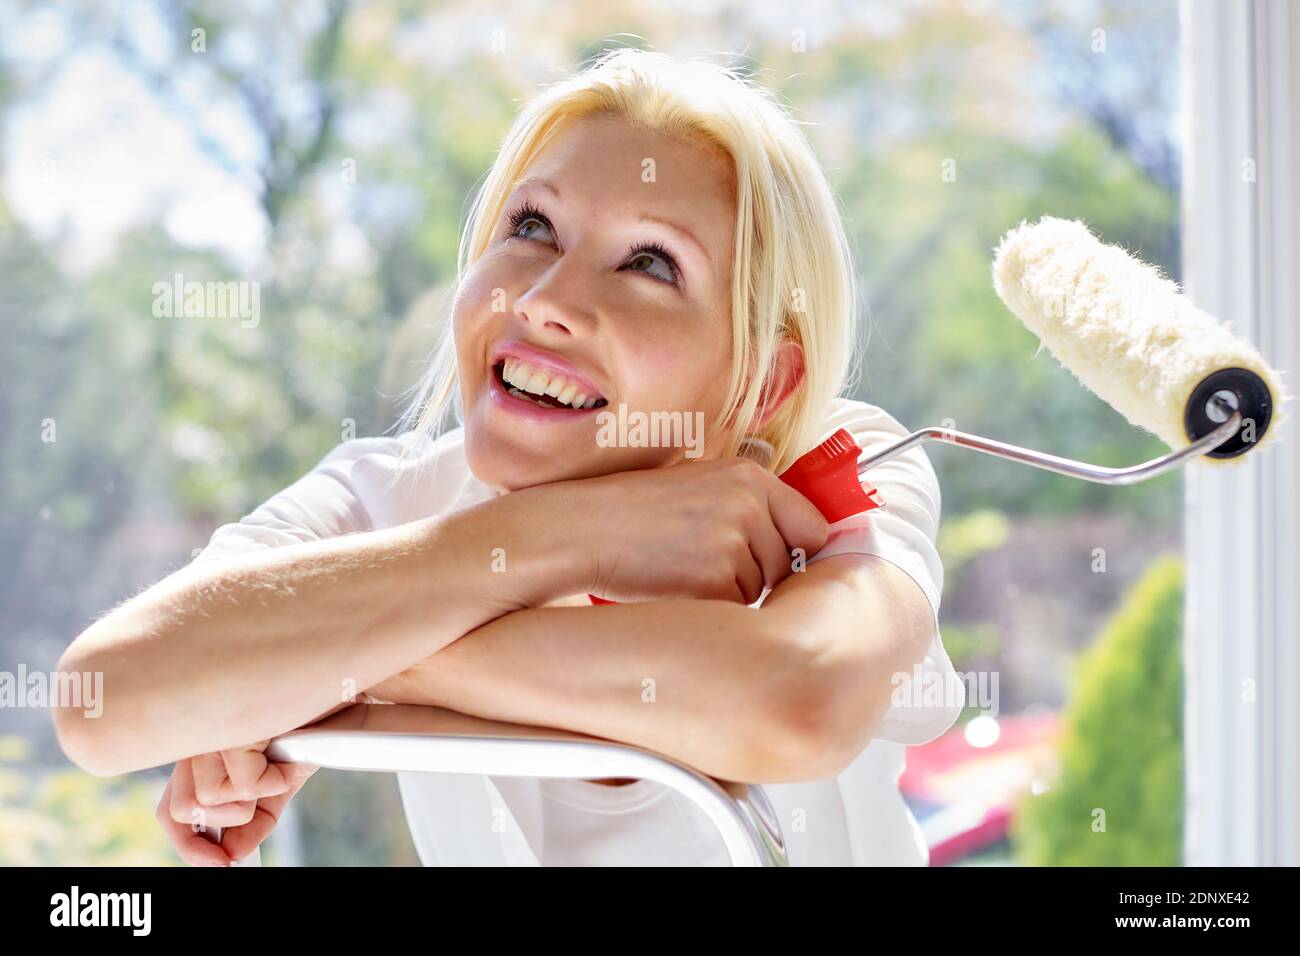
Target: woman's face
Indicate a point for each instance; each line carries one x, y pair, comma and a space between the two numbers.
609, 276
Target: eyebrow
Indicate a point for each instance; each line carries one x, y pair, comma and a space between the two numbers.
681, 231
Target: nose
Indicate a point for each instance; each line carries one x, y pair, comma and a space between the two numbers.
541, 323
556, 303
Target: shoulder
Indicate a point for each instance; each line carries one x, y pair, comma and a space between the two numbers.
864, 421
904, 530
399, 478
371, 463
358, 485
910, 475
408, 446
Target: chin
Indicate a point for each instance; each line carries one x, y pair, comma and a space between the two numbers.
506, 465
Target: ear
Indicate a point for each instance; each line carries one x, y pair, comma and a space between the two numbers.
786, 376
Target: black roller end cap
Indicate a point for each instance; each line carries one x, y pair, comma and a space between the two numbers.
1254, 401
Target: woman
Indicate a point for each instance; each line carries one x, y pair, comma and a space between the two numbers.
654, 238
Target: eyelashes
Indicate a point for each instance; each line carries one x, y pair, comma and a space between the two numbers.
527, 211
656, 249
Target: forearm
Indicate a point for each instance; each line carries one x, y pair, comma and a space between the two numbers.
215, 657
792, 690
700, 681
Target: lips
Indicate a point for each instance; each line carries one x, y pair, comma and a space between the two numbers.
546, 381
547, 389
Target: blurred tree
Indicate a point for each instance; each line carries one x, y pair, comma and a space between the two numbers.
1119, 798
285, 81
68, 818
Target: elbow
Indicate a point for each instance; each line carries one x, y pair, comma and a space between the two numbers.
839, 687
86, 735
80, 743
94, 748
822, 721
813, 730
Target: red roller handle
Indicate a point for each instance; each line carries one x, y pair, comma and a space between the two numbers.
828, 477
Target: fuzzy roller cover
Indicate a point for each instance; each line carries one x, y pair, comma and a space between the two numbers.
1130, 336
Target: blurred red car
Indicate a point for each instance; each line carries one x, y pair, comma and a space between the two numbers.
963, 787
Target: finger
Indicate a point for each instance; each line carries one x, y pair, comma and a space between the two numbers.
193, 848
770, 553
232, 776
252, 776
187, 809
749, 577
797, 519
238, 842
725, 586
210, 787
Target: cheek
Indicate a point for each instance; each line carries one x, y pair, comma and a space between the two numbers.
682, 373
479, 305
473, 301
714, 379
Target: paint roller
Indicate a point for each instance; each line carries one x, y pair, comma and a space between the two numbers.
1129, 335
1126, 333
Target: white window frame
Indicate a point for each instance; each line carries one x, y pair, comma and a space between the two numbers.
1241, 262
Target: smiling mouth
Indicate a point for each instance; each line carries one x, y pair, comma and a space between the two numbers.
521, 381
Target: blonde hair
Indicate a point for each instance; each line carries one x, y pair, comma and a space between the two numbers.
793, 275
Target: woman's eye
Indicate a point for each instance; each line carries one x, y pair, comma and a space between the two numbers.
527, 217
650, 254
528, 222
531, 223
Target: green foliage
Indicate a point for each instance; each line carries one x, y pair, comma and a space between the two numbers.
1121, 751
353, 819
967, 358
69, 818
970, 535
970, 642
962, 539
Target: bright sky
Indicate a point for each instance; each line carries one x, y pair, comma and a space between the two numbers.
91, 150
95, 153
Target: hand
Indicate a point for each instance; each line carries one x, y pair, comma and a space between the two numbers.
238, 790
720, 529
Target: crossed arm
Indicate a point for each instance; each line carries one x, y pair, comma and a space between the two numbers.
791, 690
210, 659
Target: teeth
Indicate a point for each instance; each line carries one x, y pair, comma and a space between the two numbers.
523, 378
519, 375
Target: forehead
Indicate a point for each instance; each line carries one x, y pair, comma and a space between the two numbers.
607, 166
